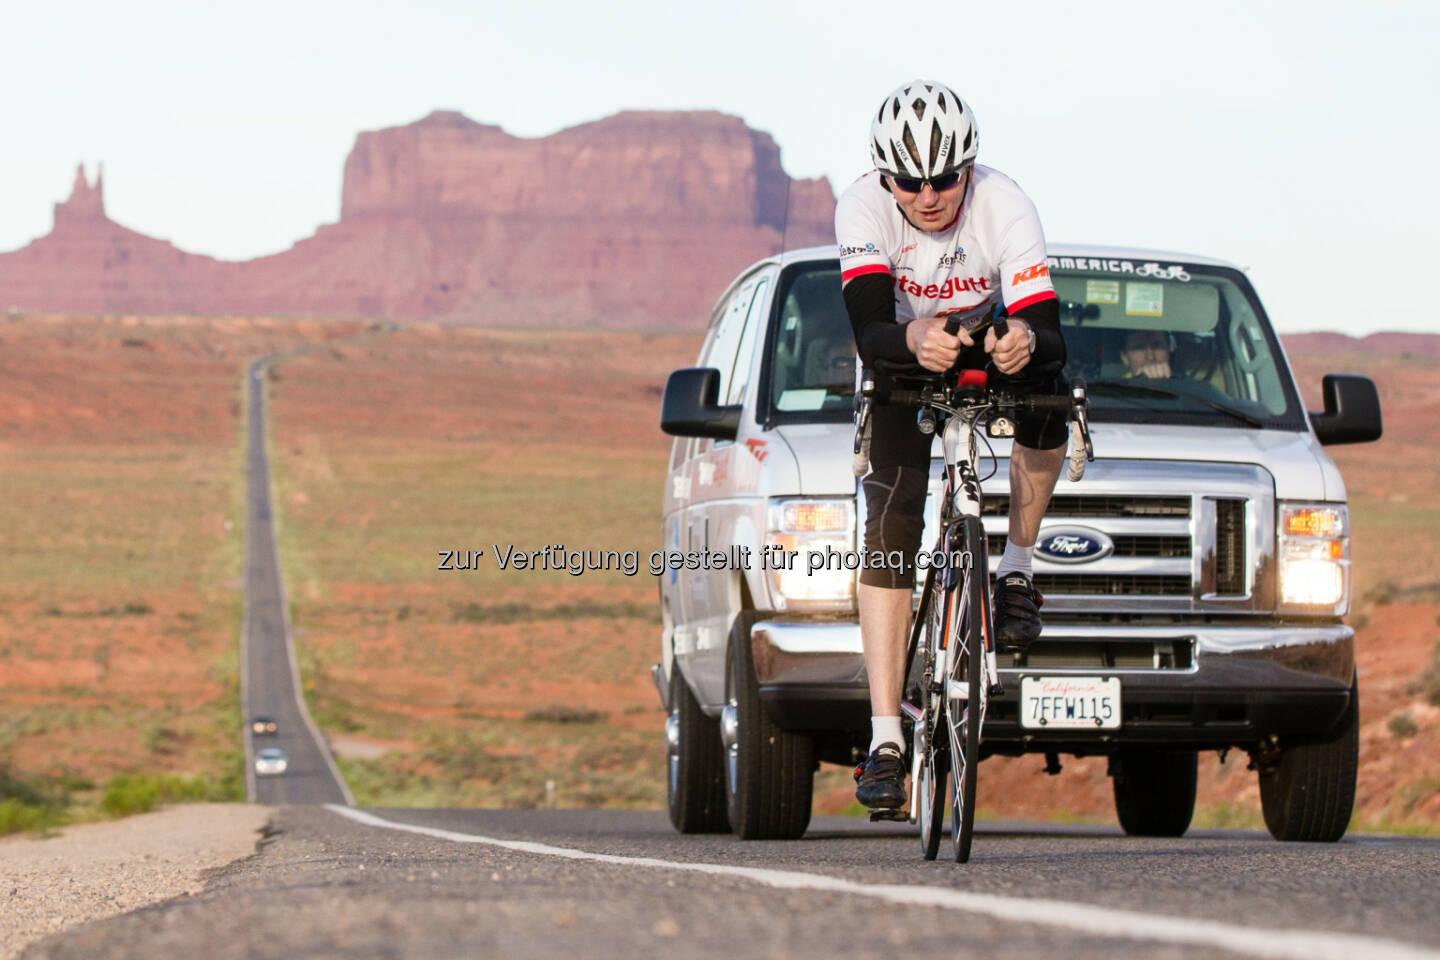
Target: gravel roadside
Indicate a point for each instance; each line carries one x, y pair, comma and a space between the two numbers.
98, 870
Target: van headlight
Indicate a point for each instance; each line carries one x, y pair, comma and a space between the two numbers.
1314, 551
810, 554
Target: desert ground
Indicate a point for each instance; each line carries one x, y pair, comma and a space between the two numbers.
119, 617
120, 463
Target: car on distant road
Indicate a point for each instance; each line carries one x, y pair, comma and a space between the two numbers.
263, 726
271, 762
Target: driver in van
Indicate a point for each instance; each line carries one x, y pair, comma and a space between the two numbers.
1146, 354
926, 235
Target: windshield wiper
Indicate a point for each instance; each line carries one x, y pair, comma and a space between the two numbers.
1127, 386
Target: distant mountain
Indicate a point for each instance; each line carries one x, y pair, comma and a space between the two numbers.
639, 219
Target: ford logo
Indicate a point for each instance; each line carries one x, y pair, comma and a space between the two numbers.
1073, 545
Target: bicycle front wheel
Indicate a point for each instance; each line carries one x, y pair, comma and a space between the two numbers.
965, 691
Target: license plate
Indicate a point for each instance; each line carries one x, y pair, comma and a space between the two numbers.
1070, 703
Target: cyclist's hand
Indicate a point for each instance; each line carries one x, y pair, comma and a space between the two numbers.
1012, 351
933, 347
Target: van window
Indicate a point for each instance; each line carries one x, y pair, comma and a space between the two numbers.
754, 320
811, 372
725, 339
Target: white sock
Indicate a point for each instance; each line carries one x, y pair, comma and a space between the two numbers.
1015, 560
886, 730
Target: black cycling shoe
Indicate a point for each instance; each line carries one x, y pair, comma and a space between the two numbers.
880, 780
1017, 613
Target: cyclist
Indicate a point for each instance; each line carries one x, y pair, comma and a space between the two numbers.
926, 235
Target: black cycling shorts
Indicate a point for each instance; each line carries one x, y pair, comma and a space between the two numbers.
899, 477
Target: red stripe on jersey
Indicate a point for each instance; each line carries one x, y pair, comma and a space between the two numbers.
861, 271
1033, 298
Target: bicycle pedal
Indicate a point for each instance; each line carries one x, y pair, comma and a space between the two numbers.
899, 815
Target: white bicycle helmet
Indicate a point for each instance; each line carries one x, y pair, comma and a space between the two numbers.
923, 130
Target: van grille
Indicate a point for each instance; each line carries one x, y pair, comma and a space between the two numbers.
1230, 547
1122, 584
1062, 506
1124, 546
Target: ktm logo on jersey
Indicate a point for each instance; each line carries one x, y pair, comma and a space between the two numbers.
1030, 273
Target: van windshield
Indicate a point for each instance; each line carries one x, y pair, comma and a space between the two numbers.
1156, 342
1171, 343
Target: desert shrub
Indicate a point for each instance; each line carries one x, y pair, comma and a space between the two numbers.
1401, 726
564, 713
1430, 679
524, 613
31, 804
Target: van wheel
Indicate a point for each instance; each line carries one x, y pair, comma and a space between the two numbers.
696, 764
1309, 793
1155, 791
769, 772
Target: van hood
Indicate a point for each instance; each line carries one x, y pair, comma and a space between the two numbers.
1300, 466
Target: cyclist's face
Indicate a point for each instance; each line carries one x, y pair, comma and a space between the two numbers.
931, 210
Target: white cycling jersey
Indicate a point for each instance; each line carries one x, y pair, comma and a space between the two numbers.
994, 250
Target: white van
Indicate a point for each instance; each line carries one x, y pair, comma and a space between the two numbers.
1203, 560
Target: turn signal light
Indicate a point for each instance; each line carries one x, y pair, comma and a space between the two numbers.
1313, 523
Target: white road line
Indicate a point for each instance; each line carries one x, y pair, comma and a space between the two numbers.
1082, 917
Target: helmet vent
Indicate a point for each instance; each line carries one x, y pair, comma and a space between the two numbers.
940, 101
895, 109
969, 135
919, 107
936, 135
880, 152
909, 140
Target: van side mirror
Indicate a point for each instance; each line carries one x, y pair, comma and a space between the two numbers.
1352, 410
689, 407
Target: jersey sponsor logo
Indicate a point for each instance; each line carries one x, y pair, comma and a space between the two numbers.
868, 250
1170, 271
1030, 273
943, 291
905, 250
951, 259
757, 447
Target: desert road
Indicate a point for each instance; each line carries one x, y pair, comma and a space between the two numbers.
334, 881
269, 685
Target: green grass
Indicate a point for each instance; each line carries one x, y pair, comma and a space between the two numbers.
141, 793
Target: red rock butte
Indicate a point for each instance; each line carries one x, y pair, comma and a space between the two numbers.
636, 220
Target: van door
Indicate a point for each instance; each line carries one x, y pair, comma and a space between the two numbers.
722, 496
700, 645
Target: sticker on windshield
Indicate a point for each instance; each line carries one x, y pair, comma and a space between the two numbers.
1102, 291
1144, 299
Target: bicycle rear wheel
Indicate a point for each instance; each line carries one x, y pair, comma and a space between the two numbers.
930, 793
966, 716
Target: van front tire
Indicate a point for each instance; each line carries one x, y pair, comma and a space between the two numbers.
1309, 794
770, 772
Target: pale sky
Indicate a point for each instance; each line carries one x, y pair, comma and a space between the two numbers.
1295, 139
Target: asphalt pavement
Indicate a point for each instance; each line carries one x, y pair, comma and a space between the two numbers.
623, 884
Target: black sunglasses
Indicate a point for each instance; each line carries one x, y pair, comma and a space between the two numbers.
939, 184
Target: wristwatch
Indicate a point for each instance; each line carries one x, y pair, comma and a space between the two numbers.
1030, 333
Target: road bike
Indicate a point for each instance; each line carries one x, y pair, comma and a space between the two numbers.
955, 675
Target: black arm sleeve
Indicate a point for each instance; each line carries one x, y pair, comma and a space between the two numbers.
870, 301
1044, 319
